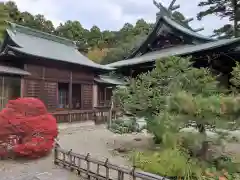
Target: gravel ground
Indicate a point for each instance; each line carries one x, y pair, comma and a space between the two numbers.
81, 138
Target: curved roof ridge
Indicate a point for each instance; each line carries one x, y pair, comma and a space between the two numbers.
169, 19
165, 16
37, 33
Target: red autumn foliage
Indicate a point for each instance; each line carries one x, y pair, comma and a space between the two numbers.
26, 129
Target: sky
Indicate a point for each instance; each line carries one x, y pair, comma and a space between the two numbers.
112, 14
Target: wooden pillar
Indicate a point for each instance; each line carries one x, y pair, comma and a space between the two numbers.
23, 84
22, 89
2, 93
105, 95
235, 20
70, 92
82, 96
42, 87
95, 95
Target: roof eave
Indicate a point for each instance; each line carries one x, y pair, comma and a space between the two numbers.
109, 80
124, 63
18, 50
13, 71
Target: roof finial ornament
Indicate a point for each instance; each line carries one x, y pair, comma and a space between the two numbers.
165, 10
158, 5
171, 4
173, 7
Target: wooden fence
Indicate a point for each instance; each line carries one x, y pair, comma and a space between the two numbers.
97, 115
87, 167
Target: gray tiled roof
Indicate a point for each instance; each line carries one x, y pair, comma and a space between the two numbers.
40, 44
174, 51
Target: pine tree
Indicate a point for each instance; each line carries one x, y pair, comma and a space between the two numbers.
174, 94
224, 9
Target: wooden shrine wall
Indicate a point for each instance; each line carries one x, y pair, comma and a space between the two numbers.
87, 96
43, 84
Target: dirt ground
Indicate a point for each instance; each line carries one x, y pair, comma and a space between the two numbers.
81, 138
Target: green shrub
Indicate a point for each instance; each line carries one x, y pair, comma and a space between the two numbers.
168, 163
123, 126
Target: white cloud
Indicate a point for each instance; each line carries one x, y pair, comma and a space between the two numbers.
111, 14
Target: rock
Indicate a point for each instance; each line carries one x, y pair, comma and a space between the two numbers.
137, 139
144, 131
121, 150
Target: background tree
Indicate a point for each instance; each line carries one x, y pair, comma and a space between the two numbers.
3, 18
109, 39
13, 11
224, 9
123, 50
126, 32
141, 27
40, 23
72, 30
95, 37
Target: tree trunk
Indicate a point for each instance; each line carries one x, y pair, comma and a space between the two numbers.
235, 20
110, 113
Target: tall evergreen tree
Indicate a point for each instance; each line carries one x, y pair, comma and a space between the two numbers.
224, 9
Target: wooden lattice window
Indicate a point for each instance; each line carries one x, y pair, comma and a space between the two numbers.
50, 89
87, 96
33, 88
